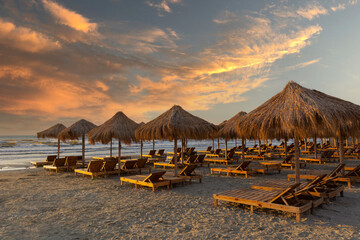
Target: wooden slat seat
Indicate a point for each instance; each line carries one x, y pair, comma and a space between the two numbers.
283, 200
240, 169
49, 161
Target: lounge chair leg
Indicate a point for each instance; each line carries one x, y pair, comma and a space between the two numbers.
215, 202
251, 209
298, 217
153, 188
349, 184
342, 194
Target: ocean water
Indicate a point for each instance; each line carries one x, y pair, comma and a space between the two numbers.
16, 152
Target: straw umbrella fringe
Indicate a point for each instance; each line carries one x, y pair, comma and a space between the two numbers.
78, 129
175, 124
298, 112
52, 132
119, 126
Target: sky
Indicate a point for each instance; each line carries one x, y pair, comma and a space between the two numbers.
64, 60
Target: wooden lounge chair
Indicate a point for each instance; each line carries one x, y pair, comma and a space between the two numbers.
188, 173
153, 180
129, 167
349, 178
109, 166
208, 150
191, 159
317, 187
240, 169
215, 153
199, 159
325, 156
93, 169
160, 153
58, 165
170, 164
283, 200
49, 160
150, 154
287, 162
225, 161
141, 165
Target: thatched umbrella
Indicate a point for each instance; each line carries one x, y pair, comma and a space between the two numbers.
119, 126
52, 132
298, 112
174, 124
228, 130
78, 129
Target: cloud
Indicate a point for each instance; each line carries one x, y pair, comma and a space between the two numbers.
311, 11
163, 5
69, 18
303, 64
25, 39
338, 7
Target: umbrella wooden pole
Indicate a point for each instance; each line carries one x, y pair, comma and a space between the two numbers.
321, 143
259, 147
285, 147
213, 146
111, 147
315, 147
341, 149
353, 142
225, 148
153, 144
119, 157
235, 143
346, 142
243, 149
141, 148
182, 150
297, 162
175, 156
218, 143
58, 149
83, 149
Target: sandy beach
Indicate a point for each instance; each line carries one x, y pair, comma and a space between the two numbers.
37, 204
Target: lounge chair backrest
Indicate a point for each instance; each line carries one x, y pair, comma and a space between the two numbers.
161, 151
200, 158
130, 164
109, 165
152, 152
208, 149
287, 191
179, 150
315, 182
50, 158
187, 170
354, 172
217, 151
141, 162
95, 166
288, 158
71, 161
191, 159
78, 157
59, 162
242, 166
230, 155
330, 153
336, 170
154, 177
110, 159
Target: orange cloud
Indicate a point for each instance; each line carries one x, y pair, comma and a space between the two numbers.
25, 39
69, 18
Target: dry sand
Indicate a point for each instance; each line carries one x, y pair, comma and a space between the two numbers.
36, 204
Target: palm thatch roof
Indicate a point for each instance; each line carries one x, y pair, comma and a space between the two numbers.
76, 130
302, 112
51, 132
227, 127
119, 126
176, 123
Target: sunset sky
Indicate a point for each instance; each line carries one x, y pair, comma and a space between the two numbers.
64, 60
